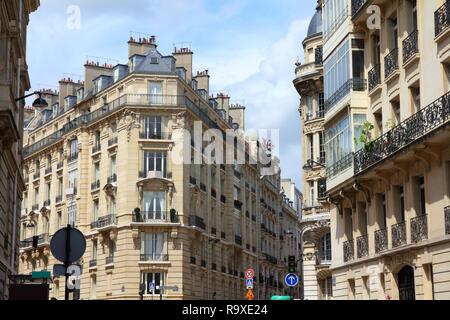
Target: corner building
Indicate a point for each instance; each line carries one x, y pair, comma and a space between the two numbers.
105, 147
387, 113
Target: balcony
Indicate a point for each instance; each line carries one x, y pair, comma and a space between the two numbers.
153, 257
340, 166
351, 85
103, 222
381, 241
306, 71
92, 263
155, 217
374, 77
195, 221
95, 185
357, 6
447, 220
47, 203
112, 141
96, 148
419, 229
419, 125
442, 19
349, 251
48, 171
155, 174
391, 63
238, 240
109, 260
36, 176
410, 47
112, 179
43, 239
399, 235
155, 135
362, 246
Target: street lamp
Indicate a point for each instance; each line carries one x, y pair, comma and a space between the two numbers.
38, 103
311, 163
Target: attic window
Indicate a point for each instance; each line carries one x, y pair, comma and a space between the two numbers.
154, 60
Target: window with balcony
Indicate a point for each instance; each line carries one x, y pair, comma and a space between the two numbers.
155, 92
72, 214
338, 141
95, 211
154, 205
153, 280
152, 127
358, 124
155, 163
320, 105
73, 146
154, 247
312, 194
325, 248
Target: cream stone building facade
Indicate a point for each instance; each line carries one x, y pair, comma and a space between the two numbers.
386, 80
14, 82
107, 146
315, 222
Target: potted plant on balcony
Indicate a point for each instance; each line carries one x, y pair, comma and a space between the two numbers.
366, 136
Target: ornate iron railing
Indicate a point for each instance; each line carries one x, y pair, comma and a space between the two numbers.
399, 234
349, 250
362, 246
340, 166
442, 18
391, 63
374, 77
419, 228
196, 221
109, 260
92, 263
407, 132
105, 221
410, 46
154, 257
319, 56
447, 220
152, 217
42, 239
357, 5
381, 240
352, 84
112, 141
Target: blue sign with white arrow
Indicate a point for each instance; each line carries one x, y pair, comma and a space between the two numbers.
291, 280
249, 283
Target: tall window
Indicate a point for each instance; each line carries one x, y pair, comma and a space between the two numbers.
73, 176
96, 172
325, 247
337, 71
60, 187
309, 108
73, 145
321, 105
97, 138
154, 247
153, 281
72, 214
402, 204
152, 127
112, 206
95, 211
112, 165
414, 14
155, 162
94, 249
312, 196
48, 187
111, 248
155, 92
36, 196
358, 59
335, 13
154, 205
384, 208
322, 146
338, 141
422, 196
311, 146
358, 122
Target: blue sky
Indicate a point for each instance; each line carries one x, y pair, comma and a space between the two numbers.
249, 46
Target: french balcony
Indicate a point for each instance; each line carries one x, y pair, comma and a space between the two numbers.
349, 251
109, 260
113, 141
362, 246
112, 179
238, 240
196, 221
48, 170
410, 46
419, 229
447, 220
391, 63
155, 217
95, 185
399, 235
155, 135
96, 148
104, 222
340, 166
92, 263
307, 71
442, 19
148, 257
357, 6
374, 77
381, 241
355, 84
36, 176
419, 125
59, 199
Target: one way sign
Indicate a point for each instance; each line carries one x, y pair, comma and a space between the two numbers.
249, 284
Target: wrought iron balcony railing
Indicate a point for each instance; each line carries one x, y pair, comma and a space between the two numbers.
336, 168
109, 260
113, 141
447, 220
112, 179
42, 239
391, 63
349, 251
357, 5
355, 84
318, 56
147, 135
381, 240
419, 228
442, 18
417, 126
104, 222
362, 246
374, 77
154, 217
154, 257
92, 263
196, 221
410, 46
399, 235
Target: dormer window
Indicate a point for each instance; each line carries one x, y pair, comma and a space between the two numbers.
182, 73
203, 93
194, 84
80, 95
70, 101
55, 109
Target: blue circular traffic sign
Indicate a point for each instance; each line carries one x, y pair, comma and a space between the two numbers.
291, 280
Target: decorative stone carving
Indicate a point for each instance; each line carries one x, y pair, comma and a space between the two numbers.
113, 235
179, 120
130, 120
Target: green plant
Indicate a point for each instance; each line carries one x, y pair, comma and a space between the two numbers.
366, 136
390, 124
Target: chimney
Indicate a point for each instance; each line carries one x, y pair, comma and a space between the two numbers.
223, 101
202, 78
183, 58
141, 46
93, 70
237, 112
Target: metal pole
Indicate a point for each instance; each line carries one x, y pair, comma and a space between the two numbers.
66, 263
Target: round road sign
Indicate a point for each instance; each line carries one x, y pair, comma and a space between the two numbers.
76, 245
249, 273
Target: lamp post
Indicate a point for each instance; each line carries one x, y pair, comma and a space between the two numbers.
38, 103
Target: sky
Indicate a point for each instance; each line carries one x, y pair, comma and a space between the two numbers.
248, 46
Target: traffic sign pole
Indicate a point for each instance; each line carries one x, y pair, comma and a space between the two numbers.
66, 263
